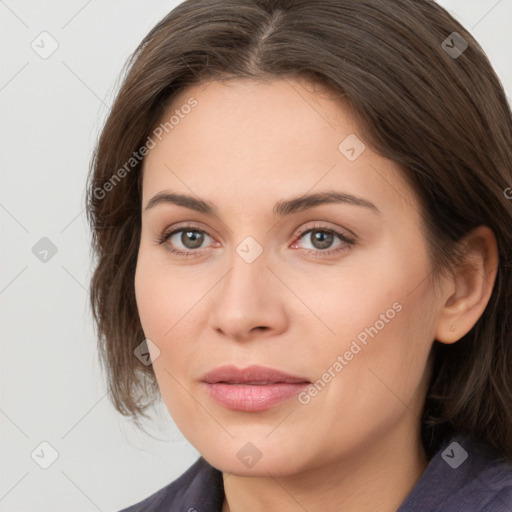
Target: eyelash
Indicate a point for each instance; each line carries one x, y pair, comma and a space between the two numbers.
162, 239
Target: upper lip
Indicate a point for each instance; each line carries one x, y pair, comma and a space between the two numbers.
252, 374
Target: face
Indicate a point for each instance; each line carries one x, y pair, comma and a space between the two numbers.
335, 293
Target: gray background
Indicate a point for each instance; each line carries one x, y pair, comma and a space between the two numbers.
52, 387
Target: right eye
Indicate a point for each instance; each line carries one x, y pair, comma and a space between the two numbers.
189, 237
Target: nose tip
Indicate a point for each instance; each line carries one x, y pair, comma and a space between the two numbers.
245, 305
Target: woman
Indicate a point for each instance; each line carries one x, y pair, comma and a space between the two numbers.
301, 212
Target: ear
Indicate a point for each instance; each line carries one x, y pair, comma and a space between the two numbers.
469, 288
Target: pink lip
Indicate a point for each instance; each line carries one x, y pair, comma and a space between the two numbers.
255, 388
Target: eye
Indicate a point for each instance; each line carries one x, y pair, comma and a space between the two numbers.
322, 239
187, 237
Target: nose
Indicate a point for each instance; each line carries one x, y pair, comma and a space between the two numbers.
249, 301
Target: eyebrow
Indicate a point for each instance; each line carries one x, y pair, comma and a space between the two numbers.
281, 208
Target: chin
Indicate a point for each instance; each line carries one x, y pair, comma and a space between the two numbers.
253, 458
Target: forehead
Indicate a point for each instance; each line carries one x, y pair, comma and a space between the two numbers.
244, 139
267, 115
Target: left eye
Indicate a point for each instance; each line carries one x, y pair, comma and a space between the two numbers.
322, 238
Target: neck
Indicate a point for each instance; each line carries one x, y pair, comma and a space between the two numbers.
378, 477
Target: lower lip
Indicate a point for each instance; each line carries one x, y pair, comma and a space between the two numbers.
252, 398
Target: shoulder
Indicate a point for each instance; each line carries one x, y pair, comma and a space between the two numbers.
200, 487
463, 475
495, 481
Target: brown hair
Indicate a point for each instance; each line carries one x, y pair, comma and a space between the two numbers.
443, 118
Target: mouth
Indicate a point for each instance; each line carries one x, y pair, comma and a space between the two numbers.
252, 389
252, 375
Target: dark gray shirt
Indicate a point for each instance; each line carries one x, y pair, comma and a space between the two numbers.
463, 476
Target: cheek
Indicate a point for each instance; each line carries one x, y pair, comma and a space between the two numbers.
160, 310
383, 318
389, 369
168, 306
148, 303
157, 298
375, 298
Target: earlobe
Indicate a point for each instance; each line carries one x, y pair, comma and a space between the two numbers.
473, 282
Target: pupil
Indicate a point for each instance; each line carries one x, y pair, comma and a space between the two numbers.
195, 237
324, 238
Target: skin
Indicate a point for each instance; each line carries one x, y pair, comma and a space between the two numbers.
356, 444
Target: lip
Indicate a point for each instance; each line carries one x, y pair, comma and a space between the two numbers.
252, 374
251, 389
